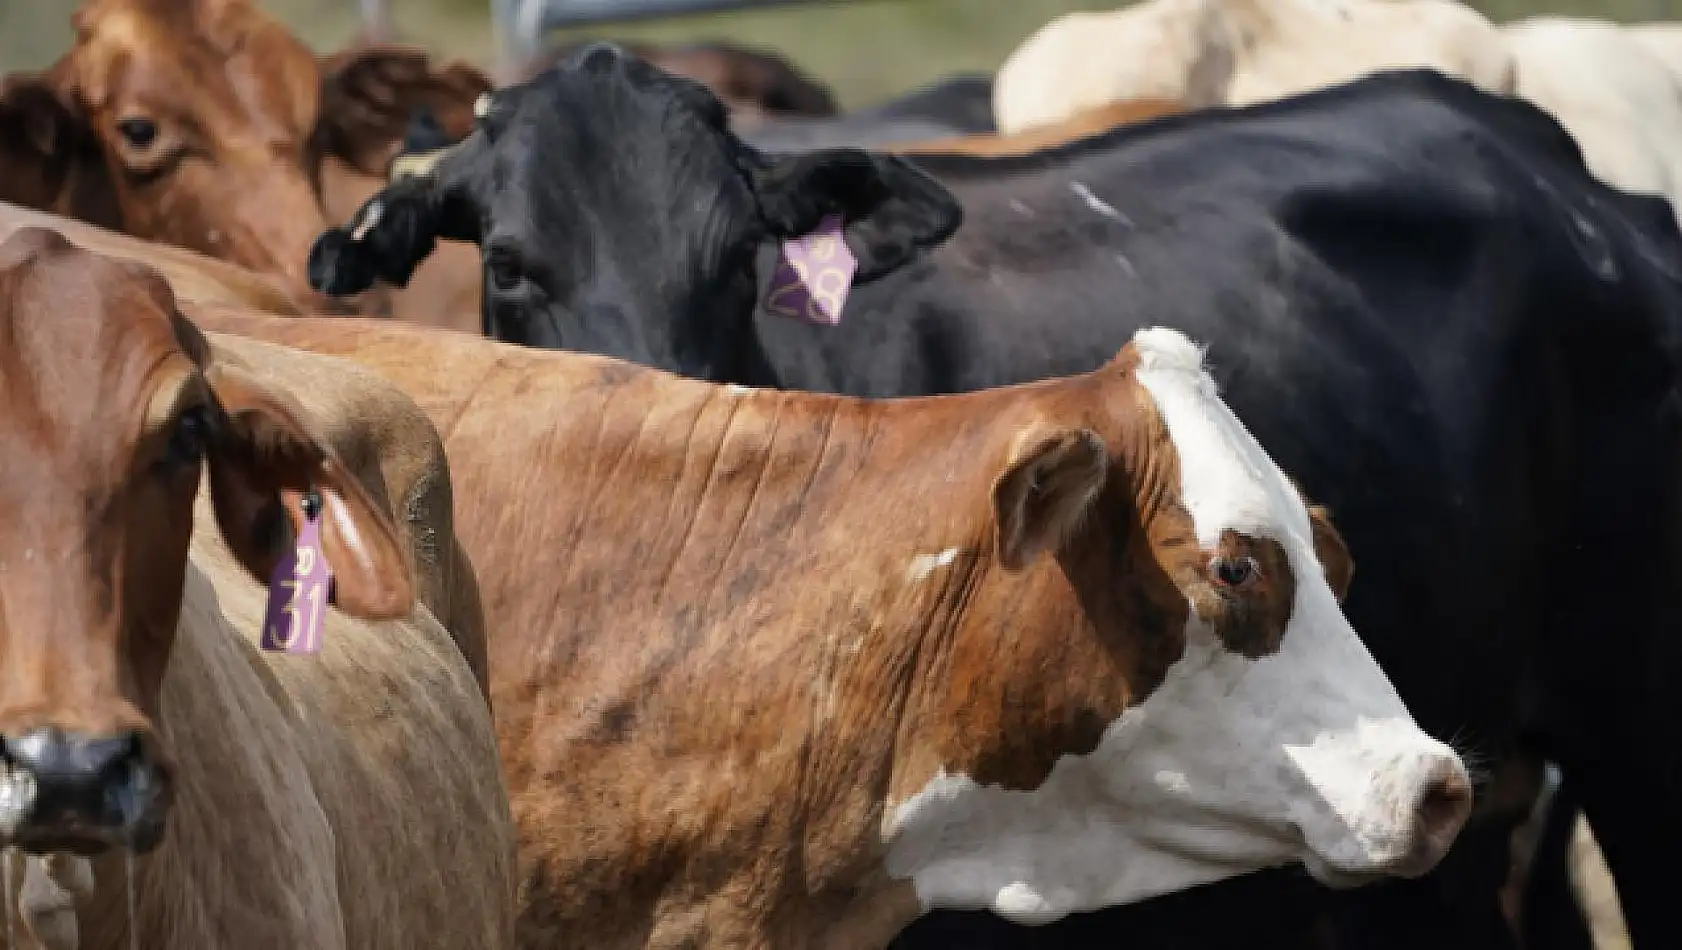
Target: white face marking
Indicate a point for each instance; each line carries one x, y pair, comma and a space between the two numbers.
369, 220
1230, 765
924, 564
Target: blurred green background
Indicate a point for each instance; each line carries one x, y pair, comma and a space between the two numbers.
867, 50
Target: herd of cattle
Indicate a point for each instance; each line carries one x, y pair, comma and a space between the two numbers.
1012, 603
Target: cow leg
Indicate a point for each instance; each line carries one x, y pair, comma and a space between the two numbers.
1550, 918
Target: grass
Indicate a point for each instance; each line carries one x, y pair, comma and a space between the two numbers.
867, 50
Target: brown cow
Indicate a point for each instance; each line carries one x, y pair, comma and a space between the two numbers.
779, 669
252, 799
389, 445
206, 124
753, 84
1085, 124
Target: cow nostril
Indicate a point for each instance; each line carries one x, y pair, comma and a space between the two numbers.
1445, 803
59, 759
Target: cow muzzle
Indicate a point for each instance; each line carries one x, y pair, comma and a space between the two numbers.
64, 792
1425, 808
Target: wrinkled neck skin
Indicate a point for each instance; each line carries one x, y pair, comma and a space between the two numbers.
201, 888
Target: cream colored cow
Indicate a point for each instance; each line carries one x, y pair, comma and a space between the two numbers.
1232, 52
1616, 98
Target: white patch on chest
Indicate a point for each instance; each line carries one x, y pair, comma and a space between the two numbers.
925, 564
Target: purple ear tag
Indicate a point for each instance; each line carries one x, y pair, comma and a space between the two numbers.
298, 591
814, 275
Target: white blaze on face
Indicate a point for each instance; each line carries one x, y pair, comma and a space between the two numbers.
1230, 765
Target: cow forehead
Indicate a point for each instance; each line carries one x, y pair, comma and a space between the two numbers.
88, 335
174, 57
1228, 483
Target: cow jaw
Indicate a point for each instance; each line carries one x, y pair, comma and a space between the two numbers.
1302, 754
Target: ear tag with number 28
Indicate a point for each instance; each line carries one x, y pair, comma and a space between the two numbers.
299, 588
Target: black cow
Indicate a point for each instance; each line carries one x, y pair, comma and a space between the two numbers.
1483, 335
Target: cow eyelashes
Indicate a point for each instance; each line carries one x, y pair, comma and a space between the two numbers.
1236, 572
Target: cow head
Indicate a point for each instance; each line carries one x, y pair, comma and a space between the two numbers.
1146, 681
616, 213
208, 121
113, 407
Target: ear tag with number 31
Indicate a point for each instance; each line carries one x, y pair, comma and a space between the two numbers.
299, 588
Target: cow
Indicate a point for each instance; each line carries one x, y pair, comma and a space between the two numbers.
391, 448
1043, 692
1236, 52
1360, 241
1663, 41
206, 124
241, 797
754, 84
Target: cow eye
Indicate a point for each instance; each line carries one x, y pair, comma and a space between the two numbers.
138, 133
504, 267
188, 440
1236, 572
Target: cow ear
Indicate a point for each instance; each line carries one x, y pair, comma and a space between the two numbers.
49, 156
386, 239
263, 459
370, 93
892, 210
1333, 553
1045, 491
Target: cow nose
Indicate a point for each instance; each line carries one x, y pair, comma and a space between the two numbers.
1443, 805
75, 792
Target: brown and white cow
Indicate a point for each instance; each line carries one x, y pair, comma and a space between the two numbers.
207, 124
780, 669
349, 799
